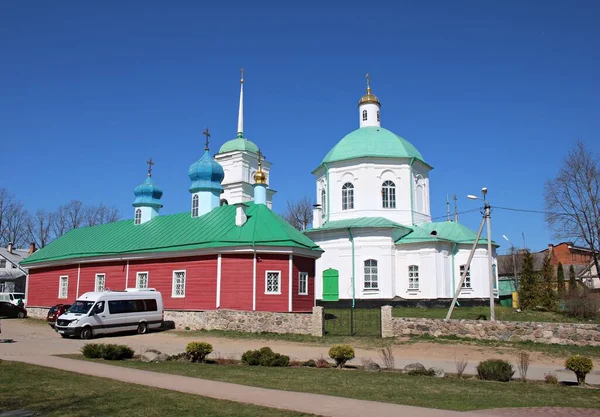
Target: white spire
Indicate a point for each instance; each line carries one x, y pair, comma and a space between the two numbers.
240, 131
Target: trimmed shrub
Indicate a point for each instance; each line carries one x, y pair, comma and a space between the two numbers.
551, 379
310, 363
581, 365
251, 357
341, 354
109, 352
265, 357
198, 351
495, 370
422, 372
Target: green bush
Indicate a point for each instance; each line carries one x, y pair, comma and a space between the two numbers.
198, 351
265, 357
422, 372
341, 354
310, 363
581, 365
110, 352
495, 370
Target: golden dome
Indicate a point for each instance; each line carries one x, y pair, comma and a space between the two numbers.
260, 177
369, 98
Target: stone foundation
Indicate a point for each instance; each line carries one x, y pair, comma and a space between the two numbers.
37, 312
551, 333
249, 321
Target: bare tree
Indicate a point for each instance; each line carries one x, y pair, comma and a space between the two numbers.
101, 214
14, 224
299, 213
39, 228
573, 199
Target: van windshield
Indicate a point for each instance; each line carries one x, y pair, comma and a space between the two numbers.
81, 307
18, 296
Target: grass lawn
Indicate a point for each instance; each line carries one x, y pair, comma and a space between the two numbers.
390, 387
471, 313
52, 392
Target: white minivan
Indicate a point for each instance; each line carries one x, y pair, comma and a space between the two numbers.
111, 312
13, 297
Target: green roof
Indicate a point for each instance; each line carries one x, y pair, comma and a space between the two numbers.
239, 144
176, 232
444, 231
361, 222
372, 142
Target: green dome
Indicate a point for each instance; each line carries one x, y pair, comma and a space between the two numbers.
239, 144
372, 141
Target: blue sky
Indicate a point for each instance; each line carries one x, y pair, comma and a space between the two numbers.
492, 93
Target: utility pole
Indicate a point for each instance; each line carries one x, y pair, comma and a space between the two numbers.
447, 208
488, 217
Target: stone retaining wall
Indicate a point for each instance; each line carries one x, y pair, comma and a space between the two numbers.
249, 321
559, 333
37, 312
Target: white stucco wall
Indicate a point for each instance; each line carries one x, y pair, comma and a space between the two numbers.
239, 168
371, 109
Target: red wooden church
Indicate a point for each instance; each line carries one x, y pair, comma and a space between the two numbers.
218, 256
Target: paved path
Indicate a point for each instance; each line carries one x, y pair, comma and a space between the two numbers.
317, 404
539, 412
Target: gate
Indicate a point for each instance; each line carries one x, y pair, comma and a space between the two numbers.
353, 321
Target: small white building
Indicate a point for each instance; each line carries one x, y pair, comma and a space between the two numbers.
374, 223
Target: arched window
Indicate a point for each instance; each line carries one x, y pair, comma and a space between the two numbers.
371, 281
413, 277
138, 216
378, 119
388, 194
364, 115
195, 205
324, 201
347, 196
420, 195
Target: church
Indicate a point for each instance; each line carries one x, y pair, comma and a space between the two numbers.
373, 222
229, 250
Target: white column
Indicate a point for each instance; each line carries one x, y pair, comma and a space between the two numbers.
78, 275
291, 269
127, 275
218, 280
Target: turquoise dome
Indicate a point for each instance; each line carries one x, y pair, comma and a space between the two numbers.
372, 142
239, 144
206, 174
147, 194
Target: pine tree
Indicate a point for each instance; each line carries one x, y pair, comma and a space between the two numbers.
560, 278
546, 293
528, 293
572, 282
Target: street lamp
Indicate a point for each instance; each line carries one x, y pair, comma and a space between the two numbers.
488, 218
513, 250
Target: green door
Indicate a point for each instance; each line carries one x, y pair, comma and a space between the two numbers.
330, 285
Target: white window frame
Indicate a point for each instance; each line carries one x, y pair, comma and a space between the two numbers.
96, 287
348, 196
467, 283
138, 216
324, 202
302, 276
137, 279
195, 205
364, 115
60, 286
414, 275
278, 283
370, 274
3, 263
388, 194
173, 288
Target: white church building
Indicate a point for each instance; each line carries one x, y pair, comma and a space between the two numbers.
373, 220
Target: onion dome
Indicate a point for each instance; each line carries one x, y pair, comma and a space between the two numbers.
369, 97
206, 174
147, 194
259, 176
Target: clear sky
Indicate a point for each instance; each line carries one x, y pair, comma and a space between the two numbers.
492, 93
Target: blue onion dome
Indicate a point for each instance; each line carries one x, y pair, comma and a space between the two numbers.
206, 174
147, 194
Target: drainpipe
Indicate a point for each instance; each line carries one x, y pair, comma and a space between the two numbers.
352, 242
327, 181
412, 213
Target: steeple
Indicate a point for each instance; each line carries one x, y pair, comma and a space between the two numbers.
368, 107
260, 183
206, 175
147, 198
240, 132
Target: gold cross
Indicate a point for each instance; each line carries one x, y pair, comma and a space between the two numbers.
368, 82
207, 134
260, 155
150, 163
242, 74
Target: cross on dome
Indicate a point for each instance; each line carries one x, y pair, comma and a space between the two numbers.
368, 83
150, 164
207, 134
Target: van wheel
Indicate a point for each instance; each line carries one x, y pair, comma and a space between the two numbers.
86, 333
142, 328
21, 315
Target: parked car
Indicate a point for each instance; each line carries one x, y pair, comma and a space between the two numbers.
55, 312
8, 309
13, 297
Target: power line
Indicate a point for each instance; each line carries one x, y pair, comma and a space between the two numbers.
462, 212
525, 210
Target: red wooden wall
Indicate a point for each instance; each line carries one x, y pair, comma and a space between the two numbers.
303, 302
272, 262
236, 281
44, 283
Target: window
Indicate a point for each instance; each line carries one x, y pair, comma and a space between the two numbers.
467, 282
413, 277
303, 283
420, 194
2, 263
138, 216
388, 194
132, 306
63, 286
347, 196
324, 201
378, 119
364, 115
273, 282
141, 280
371, 274
195, 205
178, 284
100, 282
